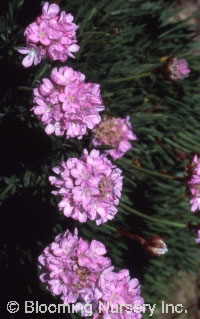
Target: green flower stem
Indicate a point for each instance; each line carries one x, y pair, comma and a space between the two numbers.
153, 173
24, 88
6, 190
129, 78
153, 219
110, 227
95, 32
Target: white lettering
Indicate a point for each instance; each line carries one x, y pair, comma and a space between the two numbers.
29, 306
102, 307
178, 305
49, 308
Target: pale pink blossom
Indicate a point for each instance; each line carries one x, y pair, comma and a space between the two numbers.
70, 267
66, 105
78, 272
53, 34
90, 187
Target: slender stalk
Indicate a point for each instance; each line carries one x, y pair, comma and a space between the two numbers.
158, 174
144, 216
110, 227
129, 78
24, 88
93, 32
153, 219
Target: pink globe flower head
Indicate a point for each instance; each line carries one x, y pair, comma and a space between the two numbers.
119, 296
70, 267
116, 133
194, 183
53, 34
90, 187
66, 105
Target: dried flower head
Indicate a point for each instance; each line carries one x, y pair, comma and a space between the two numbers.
116, 133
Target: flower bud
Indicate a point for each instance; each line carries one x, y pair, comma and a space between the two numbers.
155, 246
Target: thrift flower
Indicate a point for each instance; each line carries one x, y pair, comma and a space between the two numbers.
90, 187
52, 35
70, 267
67, 105
78, 272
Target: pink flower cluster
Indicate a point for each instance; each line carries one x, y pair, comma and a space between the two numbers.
116, 133
90, 187
70, 266
65, 104
194, 184
77, 270
52, 36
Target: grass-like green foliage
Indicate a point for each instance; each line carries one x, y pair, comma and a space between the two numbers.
120, 40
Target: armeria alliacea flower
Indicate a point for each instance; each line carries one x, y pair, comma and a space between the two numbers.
90, 187
119, 296
53, 36
194, 184
78, 272
116, 133
66, 105
176, 69
70, 267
